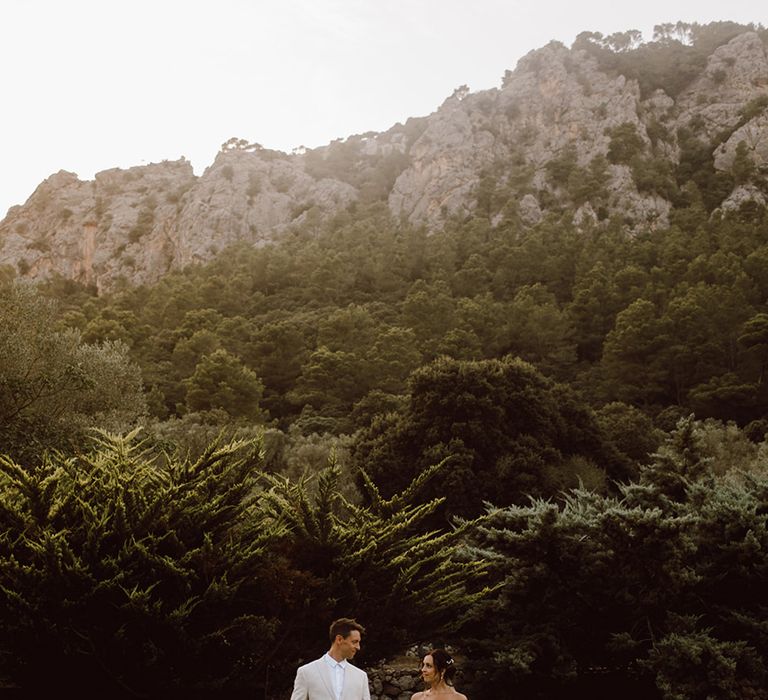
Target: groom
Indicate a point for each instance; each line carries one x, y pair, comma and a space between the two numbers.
332, 677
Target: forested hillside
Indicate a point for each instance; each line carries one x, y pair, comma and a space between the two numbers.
541, 439
321, 332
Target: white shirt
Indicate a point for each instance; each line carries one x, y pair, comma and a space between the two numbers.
338, 668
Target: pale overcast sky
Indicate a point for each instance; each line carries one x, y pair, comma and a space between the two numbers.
94, 84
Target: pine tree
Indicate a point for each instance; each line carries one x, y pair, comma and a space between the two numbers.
656, 593
124, 571
121, 571
378, 562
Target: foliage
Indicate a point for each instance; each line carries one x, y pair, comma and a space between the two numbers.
52, 385
220, 380
378, 561
630, 433
509, 431
338, 312
625, 143
696, 159
660, 586
670, 62
134, 575
151, 574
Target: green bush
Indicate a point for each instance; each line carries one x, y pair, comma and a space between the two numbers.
128, 572
144, 222
660, 589
54, 386
625, 143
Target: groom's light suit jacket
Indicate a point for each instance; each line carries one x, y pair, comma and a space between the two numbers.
314, 681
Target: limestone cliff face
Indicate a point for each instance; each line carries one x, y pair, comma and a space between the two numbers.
556, 99
521, 151
137, 224
247, 196
559, 99
735, 73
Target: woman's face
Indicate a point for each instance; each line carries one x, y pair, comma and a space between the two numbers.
428, 670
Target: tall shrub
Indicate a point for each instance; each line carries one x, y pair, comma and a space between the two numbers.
656, 593
127, 572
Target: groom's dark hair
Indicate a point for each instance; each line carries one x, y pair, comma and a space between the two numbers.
344, 626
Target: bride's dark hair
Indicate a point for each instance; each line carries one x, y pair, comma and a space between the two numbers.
444, 664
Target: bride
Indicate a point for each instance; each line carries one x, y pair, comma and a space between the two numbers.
438, 670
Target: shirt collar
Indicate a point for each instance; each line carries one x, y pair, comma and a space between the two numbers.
332, 662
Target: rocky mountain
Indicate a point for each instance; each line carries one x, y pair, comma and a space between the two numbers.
608, 128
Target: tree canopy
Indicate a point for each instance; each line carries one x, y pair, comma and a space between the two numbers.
654, 592
508, 431
132, 572
53, 386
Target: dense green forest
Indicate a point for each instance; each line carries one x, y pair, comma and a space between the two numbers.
543, 444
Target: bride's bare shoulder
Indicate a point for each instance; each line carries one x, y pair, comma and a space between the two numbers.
418, 696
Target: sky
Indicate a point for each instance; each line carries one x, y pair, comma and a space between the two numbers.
89, 85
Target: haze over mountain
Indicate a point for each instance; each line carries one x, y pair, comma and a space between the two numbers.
102, 85
601, 129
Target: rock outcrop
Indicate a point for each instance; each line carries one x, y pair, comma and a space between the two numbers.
137, 224
566, 132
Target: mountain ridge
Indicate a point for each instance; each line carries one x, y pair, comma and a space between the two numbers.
578, 132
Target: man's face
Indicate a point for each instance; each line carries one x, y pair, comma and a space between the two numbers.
348, 646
